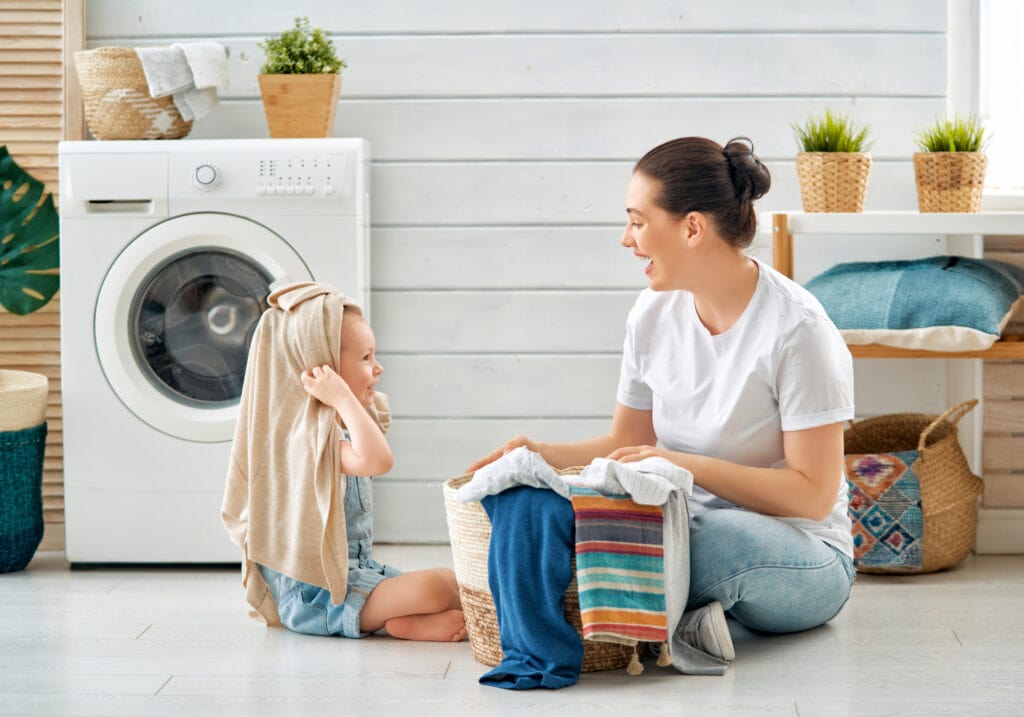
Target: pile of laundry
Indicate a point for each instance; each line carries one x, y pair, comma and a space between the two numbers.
627, 524
190, 73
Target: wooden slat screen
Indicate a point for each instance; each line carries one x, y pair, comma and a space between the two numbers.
37, 38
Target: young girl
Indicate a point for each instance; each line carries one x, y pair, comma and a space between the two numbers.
310, 426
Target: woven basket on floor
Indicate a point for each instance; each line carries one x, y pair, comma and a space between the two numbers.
23, 397
949, 491
833, 181
470, 532
117, 101
949, 181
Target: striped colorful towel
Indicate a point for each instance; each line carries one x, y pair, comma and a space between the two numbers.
620, 568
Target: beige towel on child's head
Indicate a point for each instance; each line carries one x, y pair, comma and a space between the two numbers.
284, 502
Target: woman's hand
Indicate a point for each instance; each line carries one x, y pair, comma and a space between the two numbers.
631, 454
324, 384
509, 445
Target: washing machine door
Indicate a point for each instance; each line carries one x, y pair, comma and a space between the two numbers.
175, 315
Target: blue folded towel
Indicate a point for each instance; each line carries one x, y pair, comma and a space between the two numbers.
529, 568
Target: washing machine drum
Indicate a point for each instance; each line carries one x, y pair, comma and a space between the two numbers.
192, 322
176, 313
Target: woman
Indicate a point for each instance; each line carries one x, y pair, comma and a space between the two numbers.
735, 373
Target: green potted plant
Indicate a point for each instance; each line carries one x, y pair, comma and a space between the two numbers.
950, 168
29, 257
300, 81
833, 164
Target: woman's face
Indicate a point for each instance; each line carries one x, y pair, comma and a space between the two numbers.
359, 367
655, 235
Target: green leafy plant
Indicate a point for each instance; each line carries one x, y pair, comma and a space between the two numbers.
301, 50
956, 134
830, 133
29, 240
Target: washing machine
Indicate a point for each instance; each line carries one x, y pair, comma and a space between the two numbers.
169, 250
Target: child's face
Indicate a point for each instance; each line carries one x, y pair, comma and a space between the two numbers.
359, 367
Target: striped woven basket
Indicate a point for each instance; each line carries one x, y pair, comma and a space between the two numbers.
949, 181
117, 101
949, 491
23, 397
470, 533
833, 181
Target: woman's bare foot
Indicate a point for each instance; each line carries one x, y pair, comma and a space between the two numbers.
446, 626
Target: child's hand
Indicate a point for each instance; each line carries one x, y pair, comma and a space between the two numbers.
325, 385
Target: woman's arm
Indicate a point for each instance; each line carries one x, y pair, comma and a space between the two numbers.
367, 452
805, 488
630, 426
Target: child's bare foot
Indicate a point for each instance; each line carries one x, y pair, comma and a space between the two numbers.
446, 626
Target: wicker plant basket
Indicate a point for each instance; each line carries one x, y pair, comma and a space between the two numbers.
949, 491
23, 397
117, 101
833, 181
470, 532
949, 181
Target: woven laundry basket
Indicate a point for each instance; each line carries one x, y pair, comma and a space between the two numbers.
117, 101
949, 181
948, 490
833, 181
470, 531
23, 397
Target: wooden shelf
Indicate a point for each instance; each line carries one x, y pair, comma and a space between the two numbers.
785, 224
1010, 347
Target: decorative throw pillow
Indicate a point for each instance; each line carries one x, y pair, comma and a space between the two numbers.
943, 303
885, 510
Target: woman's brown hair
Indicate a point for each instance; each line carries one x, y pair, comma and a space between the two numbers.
699, 175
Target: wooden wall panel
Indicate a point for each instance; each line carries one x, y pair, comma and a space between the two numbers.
1004, 403
502, 141
35, 37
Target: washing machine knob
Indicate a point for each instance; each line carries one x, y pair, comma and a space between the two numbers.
206, 177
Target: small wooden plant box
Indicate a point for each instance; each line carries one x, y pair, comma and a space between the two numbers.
300, 105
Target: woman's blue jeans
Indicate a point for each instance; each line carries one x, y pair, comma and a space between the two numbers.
768, 575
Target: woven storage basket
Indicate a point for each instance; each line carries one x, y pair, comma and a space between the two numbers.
117, 101
833, 181
23, 398
949, 491
470, 532
949, 181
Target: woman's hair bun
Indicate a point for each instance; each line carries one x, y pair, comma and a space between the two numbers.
750, 177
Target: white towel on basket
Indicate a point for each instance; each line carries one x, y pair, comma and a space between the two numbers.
190, 71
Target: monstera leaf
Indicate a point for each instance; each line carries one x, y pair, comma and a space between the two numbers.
29, 232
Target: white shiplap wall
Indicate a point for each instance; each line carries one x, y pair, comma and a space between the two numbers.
503, 135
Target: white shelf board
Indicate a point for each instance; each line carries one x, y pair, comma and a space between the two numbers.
899, 222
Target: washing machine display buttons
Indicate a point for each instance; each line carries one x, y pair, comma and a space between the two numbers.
206, 177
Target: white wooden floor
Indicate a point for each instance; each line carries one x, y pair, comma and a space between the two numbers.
178, 642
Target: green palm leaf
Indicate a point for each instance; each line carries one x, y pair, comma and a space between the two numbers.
29, 240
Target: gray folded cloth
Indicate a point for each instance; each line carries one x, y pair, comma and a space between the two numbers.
191, 72
166, 70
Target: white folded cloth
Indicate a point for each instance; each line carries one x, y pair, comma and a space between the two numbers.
649, 482
191, 72
208, 61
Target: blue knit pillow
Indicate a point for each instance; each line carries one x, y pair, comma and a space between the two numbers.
943, 303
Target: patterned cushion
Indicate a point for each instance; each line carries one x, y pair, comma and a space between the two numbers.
885, 510
943, 303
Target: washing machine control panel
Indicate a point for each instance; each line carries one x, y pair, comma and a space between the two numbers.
293, 175
277, 178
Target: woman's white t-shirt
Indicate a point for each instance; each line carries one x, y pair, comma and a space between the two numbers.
783, 366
